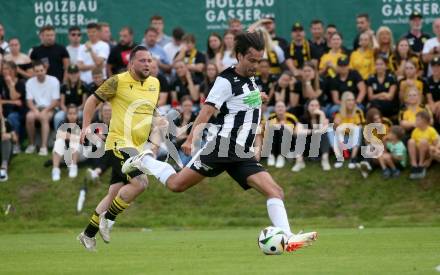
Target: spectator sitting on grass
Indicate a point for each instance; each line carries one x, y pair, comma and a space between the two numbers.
8, 138
350, 115
66, 139
100, 165
422, 138
394, 159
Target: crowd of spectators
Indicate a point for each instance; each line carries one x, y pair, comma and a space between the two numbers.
314, 85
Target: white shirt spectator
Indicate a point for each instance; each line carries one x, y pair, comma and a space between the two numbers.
5, 46
228, 59
73, 53
171, 50
429, 45
42, 93
101, 49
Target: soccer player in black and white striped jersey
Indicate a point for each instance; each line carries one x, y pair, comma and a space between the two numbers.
237, 98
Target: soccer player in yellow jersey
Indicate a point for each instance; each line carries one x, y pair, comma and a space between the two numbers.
133, 96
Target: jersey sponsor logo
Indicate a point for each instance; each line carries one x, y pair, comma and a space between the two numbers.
253, 99
350, 83
199, 165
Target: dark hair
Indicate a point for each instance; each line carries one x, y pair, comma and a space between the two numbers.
210, 52
331, 26
364, 15
74, 28
188, 37
371, 113
424, 115
185, 98
71, 106
156, 17
396, 55
37, 63
398, 131
316, 22
381, 57
46, 28
93, 26
137, 49
129, 29
178, 33
245, 41
150, 29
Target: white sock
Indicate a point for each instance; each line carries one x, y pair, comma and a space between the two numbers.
161, 170
278, 216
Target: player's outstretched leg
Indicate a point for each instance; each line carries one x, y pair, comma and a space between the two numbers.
125, 196
87, 237
264, 183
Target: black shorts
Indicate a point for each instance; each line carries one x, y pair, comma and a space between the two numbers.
239, 169
116, 158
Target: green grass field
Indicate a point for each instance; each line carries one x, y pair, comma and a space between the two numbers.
232, 251
212, 228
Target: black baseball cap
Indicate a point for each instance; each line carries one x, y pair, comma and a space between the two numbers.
297, 27
415, 15
435, 61
72, 69
343, 61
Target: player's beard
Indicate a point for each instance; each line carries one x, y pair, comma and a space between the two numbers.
141, 74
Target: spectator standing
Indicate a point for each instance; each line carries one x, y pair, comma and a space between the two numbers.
226, 58
270, 26
299, 50
401, 55
363, 24
74, 44
105, 34
23, 62
93, 54
119, 54
173, 47
431, 49
235, 26
184, 85
150, 40
214, 47
54, 56
3, 44
328, 62
42, 95
157, 23
385, 43
416, 37
318, 43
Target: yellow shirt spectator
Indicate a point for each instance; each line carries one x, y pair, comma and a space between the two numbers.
409, 114
363, 62
429, 134
333, 59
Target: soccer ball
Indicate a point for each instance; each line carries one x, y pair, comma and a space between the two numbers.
272, 240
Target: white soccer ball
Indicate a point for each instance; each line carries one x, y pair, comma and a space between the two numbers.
272, 240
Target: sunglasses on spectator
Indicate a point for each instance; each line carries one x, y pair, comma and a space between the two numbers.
75, 34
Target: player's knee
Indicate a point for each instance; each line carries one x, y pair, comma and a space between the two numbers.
277, 192
141, 183
175, 187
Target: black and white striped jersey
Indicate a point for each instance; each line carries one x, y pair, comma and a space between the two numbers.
239, 103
